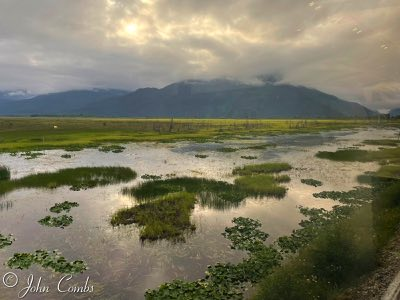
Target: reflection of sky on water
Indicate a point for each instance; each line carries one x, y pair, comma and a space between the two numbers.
123, 267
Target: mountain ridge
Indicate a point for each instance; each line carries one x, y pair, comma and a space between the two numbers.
218, 98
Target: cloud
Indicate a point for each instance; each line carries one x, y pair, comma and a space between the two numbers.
348, 48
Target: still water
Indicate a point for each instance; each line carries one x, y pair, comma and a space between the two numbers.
120, 265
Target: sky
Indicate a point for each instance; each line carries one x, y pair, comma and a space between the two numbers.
348, 48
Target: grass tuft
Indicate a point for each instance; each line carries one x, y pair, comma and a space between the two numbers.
4, 173
265, 168
83, 177
165, 217
261, 185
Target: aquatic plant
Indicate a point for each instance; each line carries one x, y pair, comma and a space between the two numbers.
260, 185
31, 154
357, 196
48, 260
63, 207
264, 168
60, 221
6, 240
201, 156
112, 148
151, 177
227, 149
248, 157
165, 217
5, 173
77, 178
312, 182
260, 147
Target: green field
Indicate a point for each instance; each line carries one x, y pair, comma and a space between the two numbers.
39, 133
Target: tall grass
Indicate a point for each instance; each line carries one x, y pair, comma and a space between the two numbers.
260, 185
165, 217
83, 177
4, 173
155, 188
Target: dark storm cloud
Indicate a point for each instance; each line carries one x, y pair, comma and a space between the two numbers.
349, 48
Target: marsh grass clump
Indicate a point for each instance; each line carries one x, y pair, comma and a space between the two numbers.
260, 185
248, 157
260, 147
201, 156
47, 259
5, 173
60, 221
6, 240
63, 207
156, 188
265, 168
66, 156
151, 177
112, 148
282, 178
312, 182
77, 178
227, 149
384, 142
390, 155
167, 217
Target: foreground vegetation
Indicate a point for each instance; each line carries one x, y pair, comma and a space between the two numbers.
74, 134
76, 179
165, 205
329, 252
165, 217
47, 259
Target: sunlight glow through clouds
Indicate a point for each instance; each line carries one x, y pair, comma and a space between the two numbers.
341, 47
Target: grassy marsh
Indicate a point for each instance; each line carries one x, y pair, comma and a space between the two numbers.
73, 134
77, 178
165, 217
386, 154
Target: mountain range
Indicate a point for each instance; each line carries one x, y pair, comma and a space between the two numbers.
217, 98
395, 112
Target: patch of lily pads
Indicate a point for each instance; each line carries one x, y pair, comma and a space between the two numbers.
6, 240
59, 221
47, 259
65, 206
